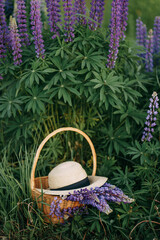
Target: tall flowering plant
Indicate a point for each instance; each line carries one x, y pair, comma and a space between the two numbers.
36, 27
69, 20
15, 42
22, 22
118, 25
96, 13
124, 18
53, 8
149, 52
115, 29
141, 32
4, 28
2, 45
156, 35
151, 118
101, 12
80, 8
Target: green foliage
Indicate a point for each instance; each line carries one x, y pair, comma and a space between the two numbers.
74, 76
20, 218
73, 87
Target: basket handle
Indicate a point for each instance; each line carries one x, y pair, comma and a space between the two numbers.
53, 134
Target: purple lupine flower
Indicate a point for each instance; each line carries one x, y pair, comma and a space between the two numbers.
53, 8
37, 28
156, 35
15, 42
96, 13
1, 78
97, 197
101, 12
115, 29
3, 24
151, 118
124, 18
141, 33
22, 22
69, 20
64, 213
80, 8
2, 46
149, 52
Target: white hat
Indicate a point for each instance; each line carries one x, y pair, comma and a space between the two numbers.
70, 176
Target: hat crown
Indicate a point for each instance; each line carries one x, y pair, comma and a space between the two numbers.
65, 174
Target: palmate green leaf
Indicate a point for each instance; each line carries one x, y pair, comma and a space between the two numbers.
83, 71
61, 49
61, 72
34, 74
107, 86
7, 68
49, 70
20, 127
129, 91
97, 75
63, 93
10, 104
115, 140
36, 100
129, 113
139, 151
73, 90
53, 92
90, 59
87, 39
128, 126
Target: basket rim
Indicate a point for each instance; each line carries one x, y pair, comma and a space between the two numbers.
32, 182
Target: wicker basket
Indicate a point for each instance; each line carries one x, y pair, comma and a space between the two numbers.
42, 182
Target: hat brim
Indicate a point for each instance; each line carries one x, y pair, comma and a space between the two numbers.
95, 181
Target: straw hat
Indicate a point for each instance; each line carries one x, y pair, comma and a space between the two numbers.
70, 176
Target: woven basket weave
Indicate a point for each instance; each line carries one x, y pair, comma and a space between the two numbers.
42, 182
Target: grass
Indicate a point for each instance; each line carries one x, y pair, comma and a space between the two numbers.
21, 219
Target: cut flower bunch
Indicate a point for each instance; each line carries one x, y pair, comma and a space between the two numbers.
98, 197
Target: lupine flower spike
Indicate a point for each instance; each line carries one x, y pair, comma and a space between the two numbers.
15, 42
151, 118
101, 12
37, 28
22, 22
115, 29
55, 210
2, 46
80, 8
4, 29
69, 20
96, 13
98, 197
156, 35
149, 52
53, 8
124, 18
141, 33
